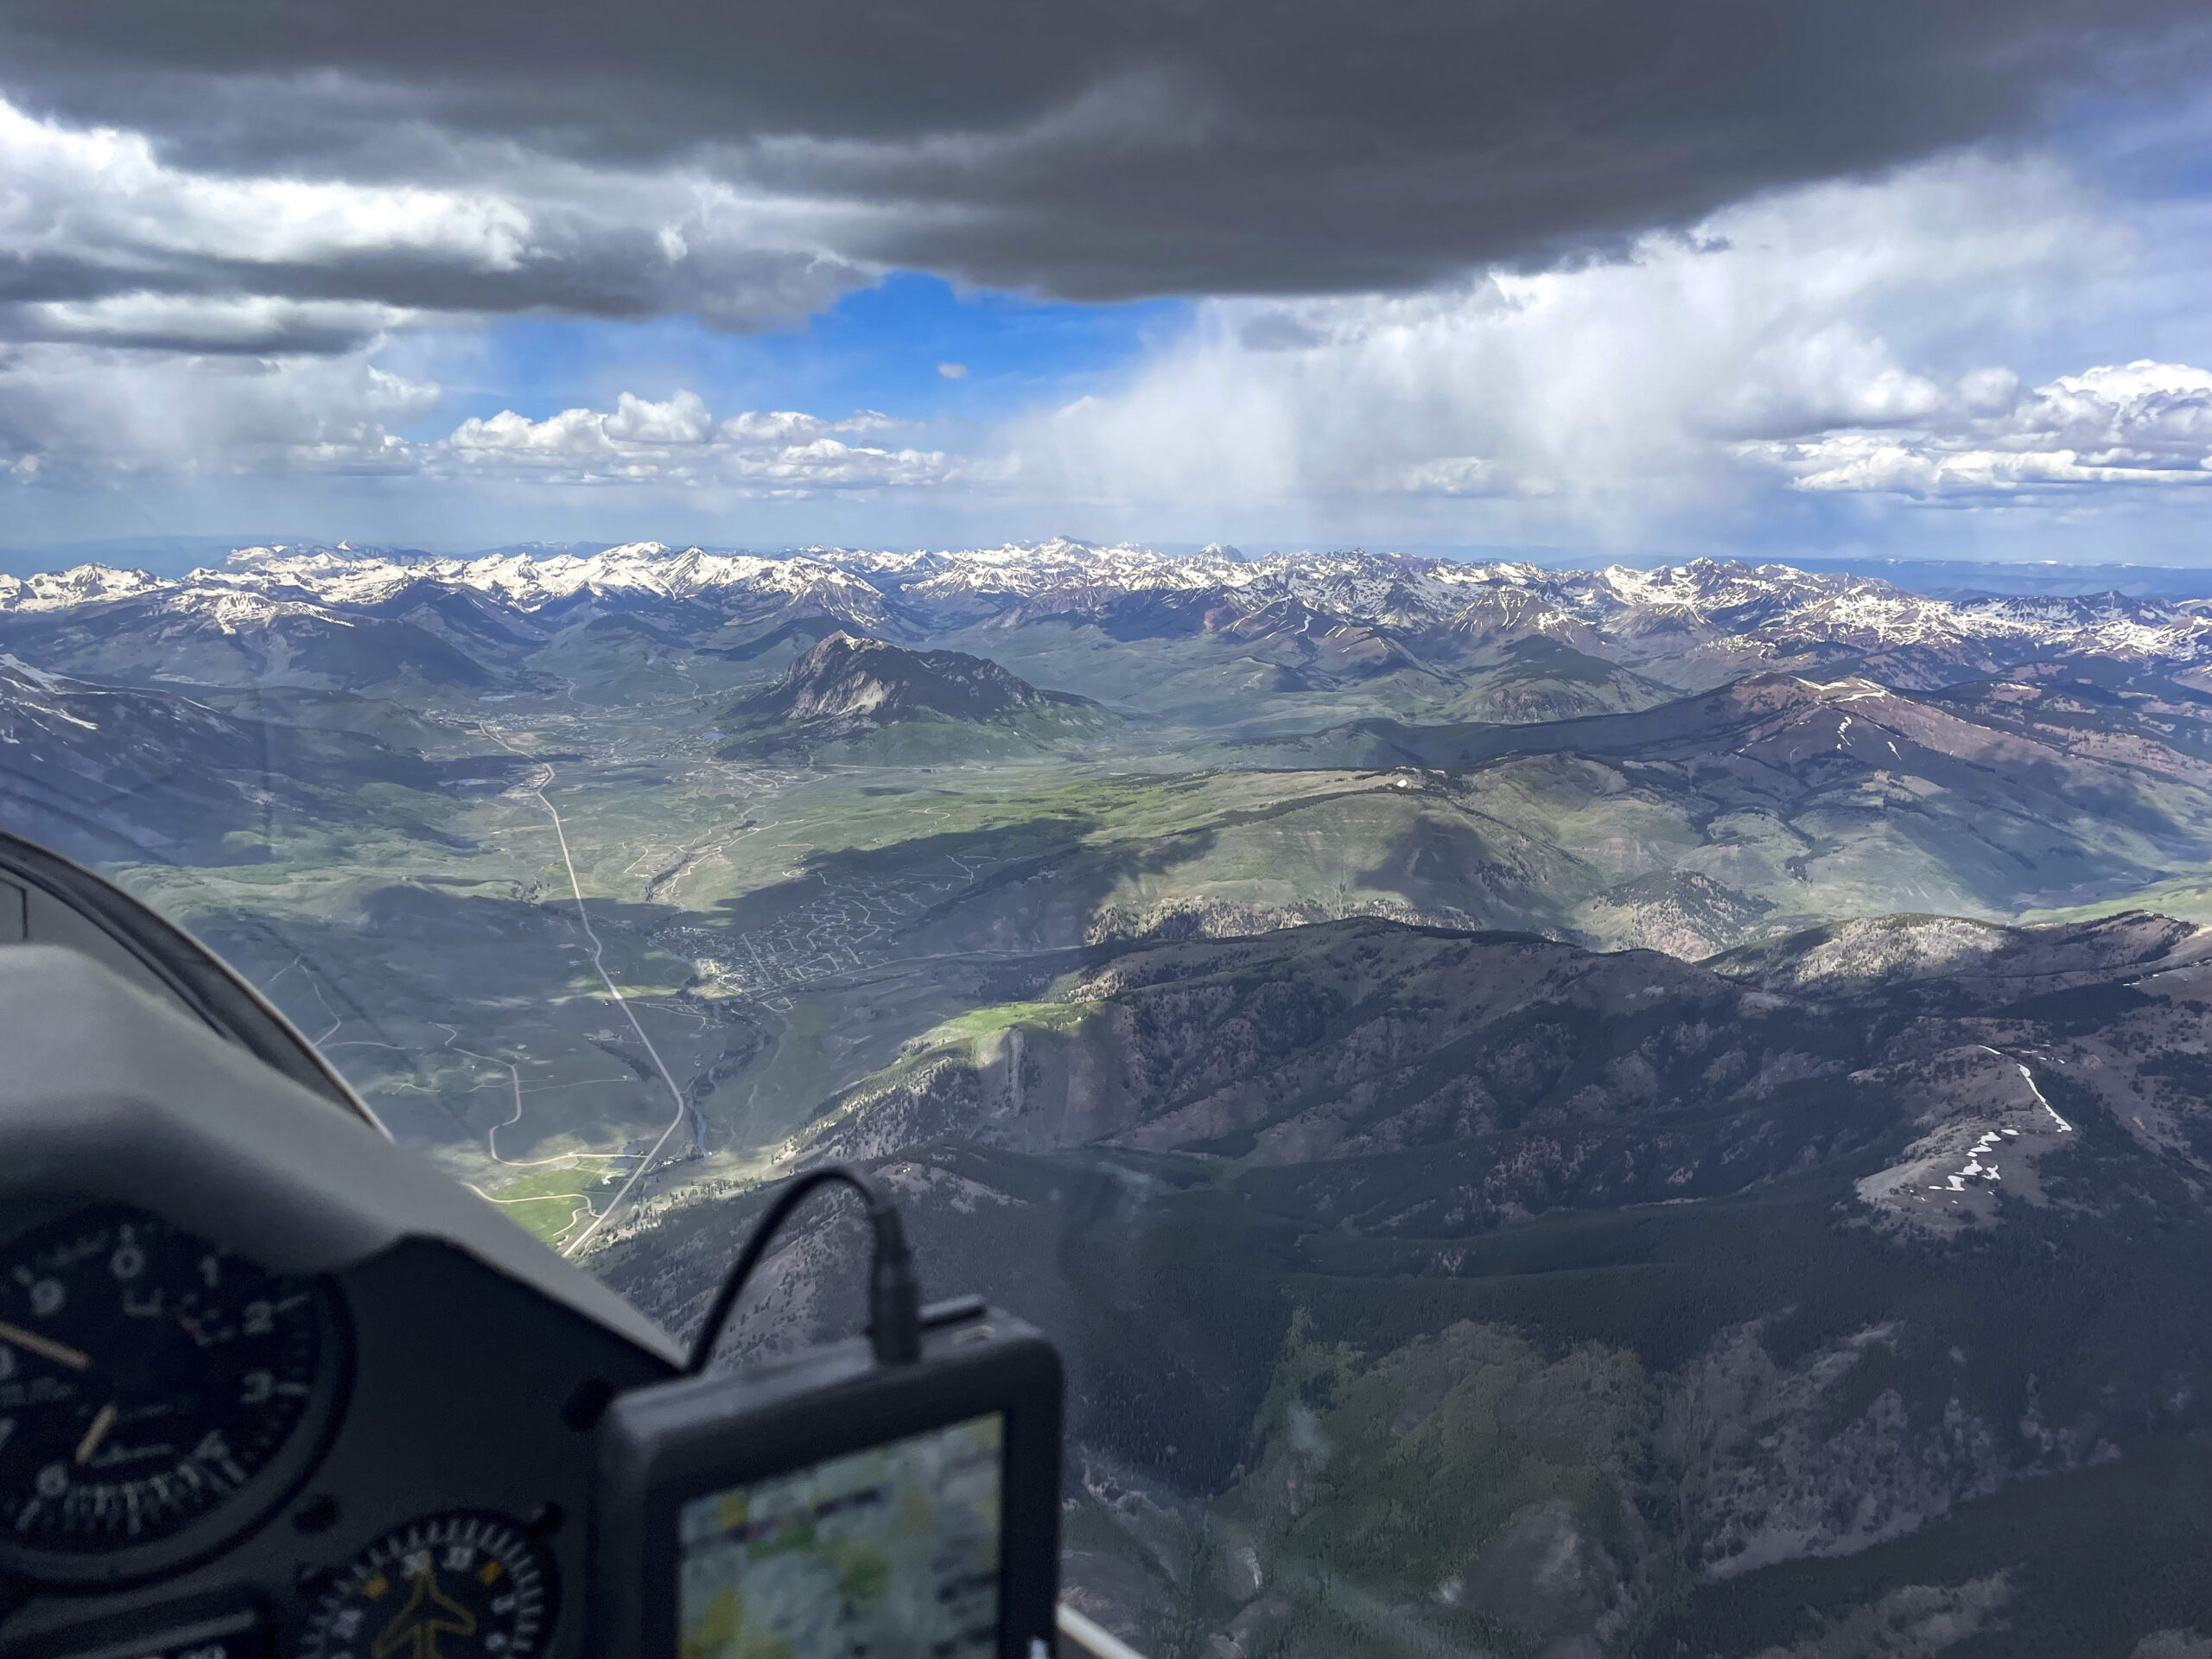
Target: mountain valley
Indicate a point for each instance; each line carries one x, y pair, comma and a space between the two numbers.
1563, 1113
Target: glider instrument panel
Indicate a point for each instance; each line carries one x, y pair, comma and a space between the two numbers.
272, 1387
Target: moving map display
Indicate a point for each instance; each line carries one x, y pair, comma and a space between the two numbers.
888, 1552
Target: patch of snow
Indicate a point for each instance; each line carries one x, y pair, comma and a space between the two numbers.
37, 677
2065, 1126
2028, 1077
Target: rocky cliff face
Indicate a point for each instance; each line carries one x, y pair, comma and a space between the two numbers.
1411, 1077
1563, 1303
846, 689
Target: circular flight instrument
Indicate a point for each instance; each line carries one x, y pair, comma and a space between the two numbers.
456, 1585
157, 1395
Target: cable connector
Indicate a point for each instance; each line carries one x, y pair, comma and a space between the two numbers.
895, 1296
894, 1300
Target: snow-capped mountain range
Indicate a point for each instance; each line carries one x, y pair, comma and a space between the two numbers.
1708, 620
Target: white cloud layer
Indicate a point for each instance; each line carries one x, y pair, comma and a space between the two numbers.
103, 194
258, 324
678, 442
1846, 338
109, 241
2144, 424
93, 416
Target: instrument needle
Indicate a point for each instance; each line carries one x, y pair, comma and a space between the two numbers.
96, 1433
46, 1347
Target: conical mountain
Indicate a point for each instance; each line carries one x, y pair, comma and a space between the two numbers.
882, 702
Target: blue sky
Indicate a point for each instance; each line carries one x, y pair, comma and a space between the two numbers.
877, 348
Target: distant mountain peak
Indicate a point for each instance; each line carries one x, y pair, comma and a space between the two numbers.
334, 553
1701, 623
849, 676
849, 686
59, 590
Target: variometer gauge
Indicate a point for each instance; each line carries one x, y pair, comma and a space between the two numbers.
157, 1395
459, 1585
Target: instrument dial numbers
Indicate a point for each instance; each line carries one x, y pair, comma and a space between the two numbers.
147, 1380
462, 1585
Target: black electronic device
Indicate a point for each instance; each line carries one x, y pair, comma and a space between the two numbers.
838, 1503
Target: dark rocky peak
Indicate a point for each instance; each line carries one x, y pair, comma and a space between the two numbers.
848, 677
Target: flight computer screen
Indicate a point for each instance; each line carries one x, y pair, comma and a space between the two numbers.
890, 1551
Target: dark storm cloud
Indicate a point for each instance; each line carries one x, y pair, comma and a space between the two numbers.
1100, 152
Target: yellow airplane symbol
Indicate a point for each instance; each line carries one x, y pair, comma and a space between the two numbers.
415, 1629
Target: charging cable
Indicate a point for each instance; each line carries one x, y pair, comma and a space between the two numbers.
894, 1299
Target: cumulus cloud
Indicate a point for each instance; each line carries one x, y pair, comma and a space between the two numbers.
2144, 424
74, 415
678, 442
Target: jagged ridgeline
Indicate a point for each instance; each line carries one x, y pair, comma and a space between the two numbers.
1686, 759
1439, 1291
859, 699
1554, 1113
